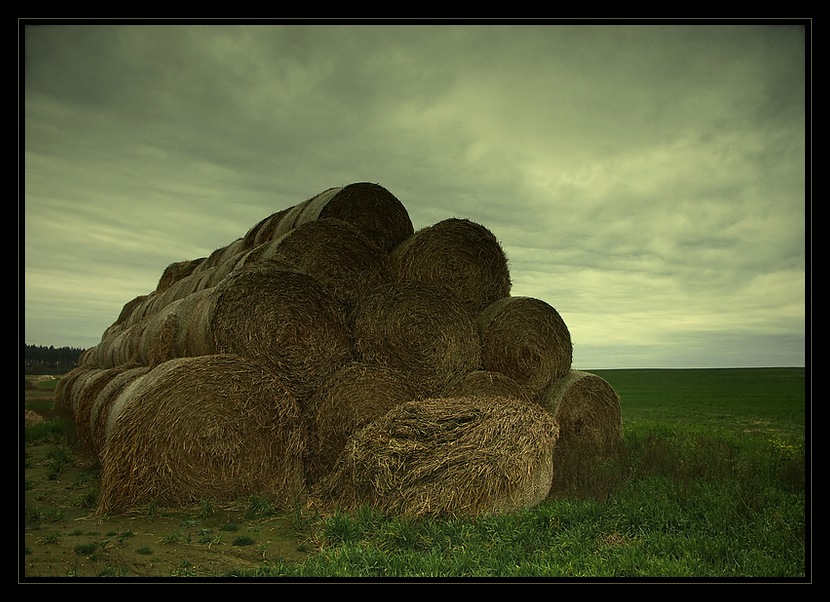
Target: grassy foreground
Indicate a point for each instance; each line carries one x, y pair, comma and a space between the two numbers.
712, 482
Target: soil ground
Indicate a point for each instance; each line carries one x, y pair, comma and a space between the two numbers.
62, 537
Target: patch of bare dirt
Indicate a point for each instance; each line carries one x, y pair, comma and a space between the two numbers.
61, 536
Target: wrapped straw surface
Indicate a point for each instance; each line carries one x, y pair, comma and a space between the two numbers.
202, 428
418, 329
526, 339
446, 457
459, 256
350, 399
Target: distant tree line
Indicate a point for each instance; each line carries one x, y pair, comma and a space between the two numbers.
50, 359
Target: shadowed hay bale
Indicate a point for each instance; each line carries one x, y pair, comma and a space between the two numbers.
459, 256
347, 401
63, 390
587, 409
129, 308
269, 312
264, 230
375, 211
445, 457
122, 347
485, 383
418, 329
84, 394
206, 428
526, 339
335, 253
175, 272
100, 409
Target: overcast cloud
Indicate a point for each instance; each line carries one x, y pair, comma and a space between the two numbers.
646, 181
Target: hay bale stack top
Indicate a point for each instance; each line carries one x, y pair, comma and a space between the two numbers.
458, 256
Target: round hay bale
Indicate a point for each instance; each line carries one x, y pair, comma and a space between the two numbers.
121, 348
348, 400
129, 308
100, 409
63, 390
204, 428
375, 211
335, 253
269, 312
88, 357
175, 272
526, 339
446, 457
84, 395
458, 255
487, 383
264, 230
587, 409
418, 329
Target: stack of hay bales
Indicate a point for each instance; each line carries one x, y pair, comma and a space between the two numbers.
335, 355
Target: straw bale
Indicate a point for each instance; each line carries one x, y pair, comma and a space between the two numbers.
269, 312
100, 410
587, 409
376, 212
120, 348
526, 339
216, 428
418, 329
487, 383
88, 357
63, 390
335, 253
446, 457
84, 395
264, 230
458, 255
175, 272
346, 402
129, 308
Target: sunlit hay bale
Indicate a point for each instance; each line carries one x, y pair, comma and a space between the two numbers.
213, 428
457, 456
100, 409
376, 212
335, 253
175, 272
347, 401
486, 383
526, 339
587, 409
419, 329
458, 255
269, 312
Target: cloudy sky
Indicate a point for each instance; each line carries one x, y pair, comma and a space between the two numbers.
648, 181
